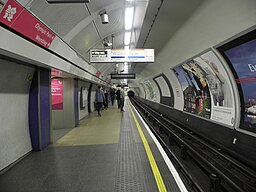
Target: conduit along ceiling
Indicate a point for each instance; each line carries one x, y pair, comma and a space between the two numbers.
153, 22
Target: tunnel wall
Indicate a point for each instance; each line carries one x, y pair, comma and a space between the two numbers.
205, 29
165, 90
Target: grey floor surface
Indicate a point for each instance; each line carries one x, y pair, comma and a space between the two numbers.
92, 168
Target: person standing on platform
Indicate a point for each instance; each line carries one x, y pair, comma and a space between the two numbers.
99, 99
112, 96
118, 97
122, 96
106, 100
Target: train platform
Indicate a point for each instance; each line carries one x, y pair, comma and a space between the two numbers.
112, 153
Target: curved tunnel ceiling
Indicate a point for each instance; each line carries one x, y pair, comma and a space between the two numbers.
155, 21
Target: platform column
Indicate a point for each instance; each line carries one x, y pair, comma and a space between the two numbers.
40, 109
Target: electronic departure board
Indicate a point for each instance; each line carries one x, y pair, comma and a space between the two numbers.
122, 55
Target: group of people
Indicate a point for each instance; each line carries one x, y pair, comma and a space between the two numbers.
102, 98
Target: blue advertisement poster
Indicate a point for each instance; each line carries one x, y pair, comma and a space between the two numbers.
243, 60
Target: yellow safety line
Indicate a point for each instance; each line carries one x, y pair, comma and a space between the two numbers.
157, 175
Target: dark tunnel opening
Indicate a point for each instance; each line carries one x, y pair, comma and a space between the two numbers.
130, 94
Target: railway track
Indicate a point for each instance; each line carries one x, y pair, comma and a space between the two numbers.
203, 166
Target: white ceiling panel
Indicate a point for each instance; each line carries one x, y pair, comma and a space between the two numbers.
116, 23
60, 18
83, 41
108, 5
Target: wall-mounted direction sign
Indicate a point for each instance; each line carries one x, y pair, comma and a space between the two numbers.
122, 55
122, 75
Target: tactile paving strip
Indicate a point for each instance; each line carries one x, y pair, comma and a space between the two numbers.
128, 177
134, 173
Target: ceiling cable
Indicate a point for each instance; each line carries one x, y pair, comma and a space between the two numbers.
93, 22
153, 22
158, 9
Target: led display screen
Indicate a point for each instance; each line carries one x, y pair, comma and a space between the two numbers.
123, 76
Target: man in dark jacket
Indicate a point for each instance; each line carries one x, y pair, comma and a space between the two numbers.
112, 96
118, 98
99, 99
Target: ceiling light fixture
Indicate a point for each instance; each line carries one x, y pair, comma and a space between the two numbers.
104, 17
127, 38
129, 17
126, 67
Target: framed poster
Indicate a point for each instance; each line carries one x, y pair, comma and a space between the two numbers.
240, 54
83, 98
206, 88
57, 94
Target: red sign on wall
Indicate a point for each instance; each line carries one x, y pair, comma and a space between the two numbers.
22, 21
57, 94
98, 73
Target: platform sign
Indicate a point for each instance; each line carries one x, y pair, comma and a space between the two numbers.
13, 15
122, 55
123, 76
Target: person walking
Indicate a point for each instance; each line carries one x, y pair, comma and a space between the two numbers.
122, 96
118, 98
99, 99
112, 96
106, 100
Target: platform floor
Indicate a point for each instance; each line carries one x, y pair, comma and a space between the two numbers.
103, 154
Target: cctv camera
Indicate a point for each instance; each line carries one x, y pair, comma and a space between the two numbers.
107, 44
104, 18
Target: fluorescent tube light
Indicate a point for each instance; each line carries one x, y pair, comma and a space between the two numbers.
128, 17
126, 67
127, 38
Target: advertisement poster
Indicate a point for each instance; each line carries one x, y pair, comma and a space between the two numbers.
207, 89
145, 90
243, 60
222, 99
195, 89
151, 94
57, 94
84, 94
